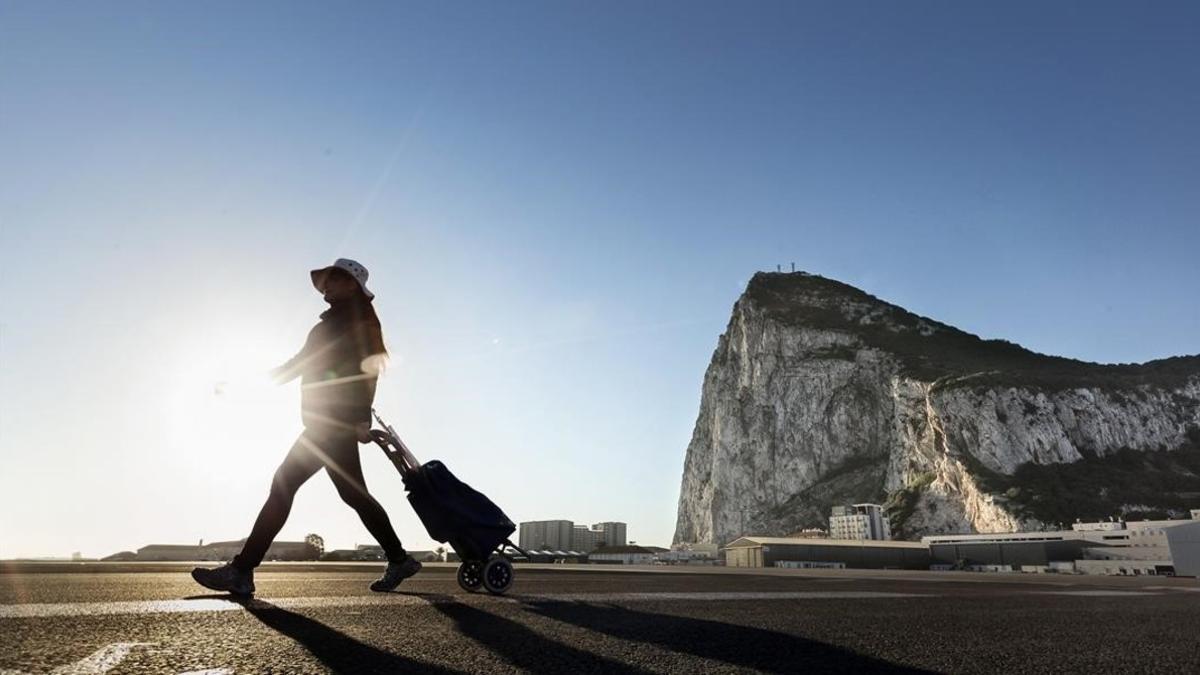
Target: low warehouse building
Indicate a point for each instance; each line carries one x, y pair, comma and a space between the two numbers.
1015, 554
622, 555
172, 552
854, 553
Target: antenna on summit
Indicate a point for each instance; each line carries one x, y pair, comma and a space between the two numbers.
793, 267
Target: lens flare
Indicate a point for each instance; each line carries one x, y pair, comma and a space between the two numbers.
221, 400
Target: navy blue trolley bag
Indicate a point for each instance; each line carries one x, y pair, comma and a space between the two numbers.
456, 514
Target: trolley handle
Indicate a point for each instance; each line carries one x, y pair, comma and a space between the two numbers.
408, 461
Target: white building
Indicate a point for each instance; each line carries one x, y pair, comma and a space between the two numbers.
1112, 547
1102, 526
566, 536
584, 539
1140, 547
546, 534
612, 533
860, 521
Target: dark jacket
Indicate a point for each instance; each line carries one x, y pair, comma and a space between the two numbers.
334, 389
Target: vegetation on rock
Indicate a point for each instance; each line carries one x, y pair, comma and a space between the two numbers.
935, 352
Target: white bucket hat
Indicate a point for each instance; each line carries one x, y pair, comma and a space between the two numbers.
351, 267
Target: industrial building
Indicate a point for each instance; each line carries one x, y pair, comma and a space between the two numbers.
1018, 549
856, 553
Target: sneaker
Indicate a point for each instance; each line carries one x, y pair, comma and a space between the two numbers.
395, 573
225, 578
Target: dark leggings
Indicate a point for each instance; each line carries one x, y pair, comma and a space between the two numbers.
337, 451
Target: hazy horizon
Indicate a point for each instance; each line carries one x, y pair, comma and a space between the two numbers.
559, 204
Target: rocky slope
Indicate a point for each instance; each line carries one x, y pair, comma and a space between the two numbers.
819, 394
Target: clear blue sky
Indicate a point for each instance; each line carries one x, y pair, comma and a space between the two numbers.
559, 204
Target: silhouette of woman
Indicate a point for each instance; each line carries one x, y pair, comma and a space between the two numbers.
338, 368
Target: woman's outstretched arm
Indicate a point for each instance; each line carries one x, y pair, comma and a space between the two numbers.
295, 365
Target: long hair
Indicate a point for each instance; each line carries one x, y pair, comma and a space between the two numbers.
357, 315
372, 331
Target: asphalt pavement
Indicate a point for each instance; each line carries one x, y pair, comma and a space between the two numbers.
317, 618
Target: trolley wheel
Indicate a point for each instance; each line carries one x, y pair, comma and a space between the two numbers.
497, 575
470, 576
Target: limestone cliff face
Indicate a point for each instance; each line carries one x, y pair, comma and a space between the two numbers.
819, 394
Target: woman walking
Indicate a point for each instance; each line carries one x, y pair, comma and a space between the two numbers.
338, 367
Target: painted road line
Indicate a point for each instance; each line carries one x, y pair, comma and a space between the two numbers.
190, 606
220, 604
99, 662
105, 659
716, 596
1098, 593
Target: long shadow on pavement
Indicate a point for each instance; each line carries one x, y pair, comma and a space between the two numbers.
521, 646
337, 651
740, 646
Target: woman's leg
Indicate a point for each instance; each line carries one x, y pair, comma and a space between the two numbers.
302, 461
345, 469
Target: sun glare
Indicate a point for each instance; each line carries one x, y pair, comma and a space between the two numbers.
222, 399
